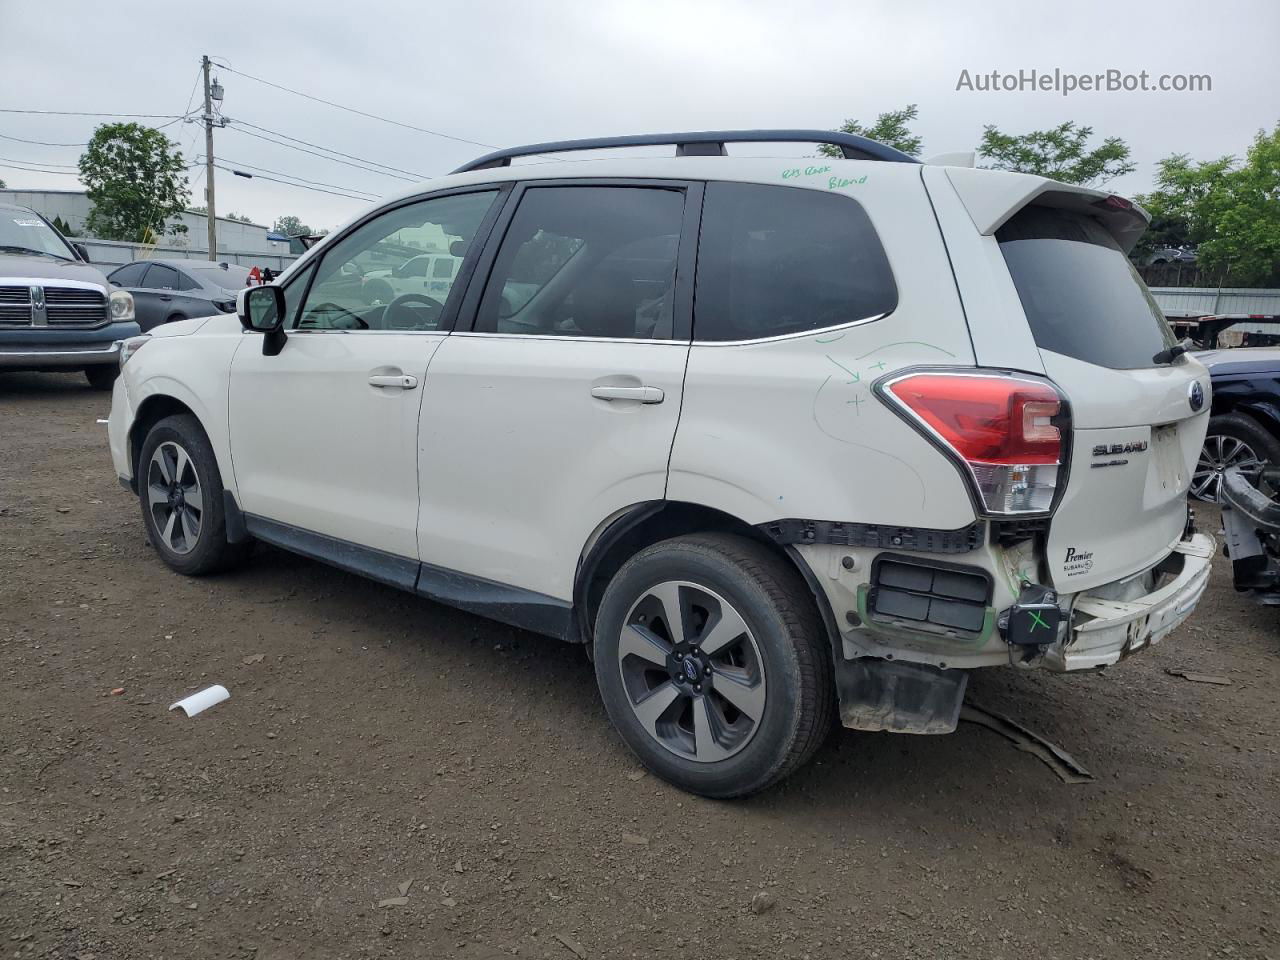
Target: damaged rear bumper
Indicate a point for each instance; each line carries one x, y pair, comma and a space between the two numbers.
1104, 631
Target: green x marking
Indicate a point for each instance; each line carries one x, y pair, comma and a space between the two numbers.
1036, 621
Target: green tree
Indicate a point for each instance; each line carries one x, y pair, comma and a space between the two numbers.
63, 227
1229, 209
1060, 153
239, 217
135, 180
291, 226
890, 128
2, 185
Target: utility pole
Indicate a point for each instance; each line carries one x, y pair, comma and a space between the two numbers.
208, 163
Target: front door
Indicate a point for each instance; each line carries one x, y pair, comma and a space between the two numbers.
558, 408
324, 434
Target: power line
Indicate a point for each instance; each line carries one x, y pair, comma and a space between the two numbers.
277, 133
194, 84
82, 113
15, 165
314, 183
298, 185
322, 156
362, 113
42, 143
49, 163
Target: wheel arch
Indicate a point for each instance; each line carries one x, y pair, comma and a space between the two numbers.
152, 410
621, 536
1265, 412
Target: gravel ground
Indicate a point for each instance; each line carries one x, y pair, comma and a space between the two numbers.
394, 778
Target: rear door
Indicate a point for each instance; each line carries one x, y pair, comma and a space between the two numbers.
558, 407
160, 288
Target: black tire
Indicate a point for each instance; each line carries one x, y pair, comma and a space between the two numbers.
788, 644
207, 551
102, 377
1222, 449
174, 318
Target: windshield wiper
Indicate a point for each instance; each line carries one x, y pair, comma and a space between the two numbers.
1171, 354
13, 248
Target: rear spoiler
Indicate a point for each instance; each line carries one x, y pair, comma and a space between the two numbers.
993, 196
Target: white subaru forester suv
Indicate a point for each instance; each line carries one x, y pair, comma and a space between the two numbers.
773, 438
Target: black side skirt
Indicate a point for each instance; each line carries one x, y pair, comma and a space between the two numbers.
497, 601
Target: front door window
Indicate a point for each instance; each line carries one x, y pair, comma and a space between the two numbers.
375, 278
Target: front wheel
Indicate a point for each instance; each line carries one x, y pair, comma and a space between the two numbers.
713, 664
180, 489
102, 377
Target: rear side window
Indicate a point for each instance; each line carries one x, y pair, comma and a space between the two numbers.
186, 283
1081, 295
781, 260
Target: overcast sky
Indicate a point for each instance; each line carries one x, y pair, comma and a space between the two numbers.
506, 73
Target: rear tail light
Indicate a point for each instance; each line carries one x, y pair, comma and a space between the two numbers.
1008, 433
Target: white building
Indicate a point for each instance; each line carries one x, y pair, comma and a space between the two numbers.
73, 207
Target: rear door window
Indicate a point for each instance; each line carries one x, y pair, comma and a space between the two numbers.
781, 260
160, 277
1081, 295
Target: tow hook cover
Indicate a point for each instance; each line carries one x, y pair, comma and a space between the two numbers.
1033, 620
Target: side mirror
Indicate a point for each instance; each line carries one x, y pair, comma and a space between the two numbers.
261, 310
82, 250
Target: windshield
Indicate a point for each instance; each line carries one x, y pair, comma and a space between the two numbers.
1081, 295
23, 231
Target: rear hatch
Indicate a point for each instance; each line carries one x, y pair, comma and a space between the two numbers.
1139, 418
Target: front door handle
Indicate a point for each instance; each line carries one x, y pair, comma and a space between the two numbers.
643, 394
404, 381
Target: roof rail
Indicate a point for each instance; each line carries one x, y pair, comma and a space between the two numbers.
708, 143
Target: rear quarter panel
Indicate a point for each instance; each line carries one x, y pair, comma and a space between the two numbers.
789, 427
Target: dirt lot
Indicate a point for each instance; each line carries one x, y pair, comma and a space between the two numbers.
373, 739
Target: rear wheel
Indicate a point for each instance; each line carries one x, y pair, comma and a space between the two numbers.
713, 664
1233, 440
180, 489
102, 377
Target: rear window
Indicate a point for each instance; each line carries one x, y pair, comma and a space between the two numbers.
782, 260
1081, 295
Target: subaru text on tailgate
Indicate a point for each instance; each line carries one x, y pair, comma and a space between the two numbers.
778, 439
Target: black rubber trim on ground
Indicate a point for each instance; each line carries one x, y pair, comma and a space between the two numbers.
875, 536
1053, 756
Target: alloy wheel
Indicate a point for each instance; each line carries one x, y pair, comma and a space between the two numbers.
174, 497
1219, 453
692, 671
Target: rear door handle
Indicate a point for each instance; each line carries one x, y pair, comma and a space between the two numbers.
404, 381
643, 394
